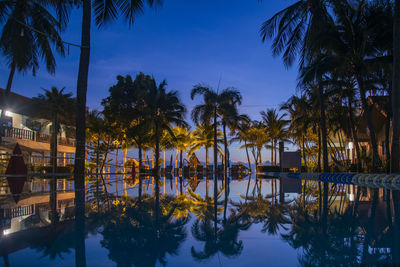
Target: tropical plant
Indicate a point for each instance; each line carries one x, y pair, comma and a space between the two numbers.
105, 12
203, 136
162, 109
56, 106
276, 127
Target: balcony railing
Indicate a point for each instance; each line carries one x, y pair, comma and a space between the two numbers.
19, 133
35, 136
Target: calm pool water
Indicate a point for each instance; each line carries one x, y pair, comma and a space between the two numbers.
183, 222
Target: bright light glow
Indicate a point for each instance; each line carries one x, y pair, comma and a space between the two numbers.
6, 231
350, 145
8, 113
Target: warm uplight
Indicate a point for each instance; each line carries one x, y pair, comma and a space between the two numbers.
350, 146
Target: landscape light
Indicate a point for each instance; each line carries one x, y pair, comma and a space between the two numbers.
8, 113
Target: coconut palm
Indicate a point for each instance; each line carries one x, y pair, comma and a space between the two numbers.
30, 33
55, 105
181, 142
162, 109
105, 12
395, 153
203, 136
241, 135
276, 129
257, 138
214, 105
295, 28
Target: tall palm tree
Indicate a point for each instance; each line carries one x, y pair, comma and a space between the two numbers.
295, 28
241, 135
105, 12
181, 142
229, 117
395, 157
276, 129
162, 109
55, 105
30, 33
203, 136
214, 104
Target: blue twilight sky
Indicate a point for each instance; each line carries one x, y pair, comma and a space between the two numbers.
184, 42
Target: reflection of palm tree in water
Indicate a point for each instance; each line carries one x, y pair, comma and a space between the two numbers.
218, 236
338, 242
257, 208
135, 235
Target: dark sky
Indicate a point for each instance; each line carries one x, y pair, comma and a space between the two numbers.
184, 42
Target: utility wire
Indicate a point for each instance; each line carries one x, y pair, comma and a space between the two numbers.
47, 35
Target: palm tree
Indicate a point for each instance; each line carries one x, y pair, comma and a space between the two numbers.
55, 105
257, 137
295, 28
242, 136
162, 109
395, 156
105, 12
214, 104
181, 142
229, 117
30, 33
276, 129
203, 136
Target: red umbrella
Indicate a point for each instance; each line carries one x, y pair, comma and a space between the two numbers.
16, 166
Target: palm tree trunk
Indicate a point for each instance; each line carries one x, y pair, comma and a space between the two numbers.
368, 119
157, 152
323, 128
83, 73
215, 153
140, 158
124, 158
304, 151
116, 162
181, 159
387, 136
225, 155
395, 154
176, 158
10, 77
247, 154
319, 149
275, 143
272, 152
354, 132
206, 157
5, 101
53, 182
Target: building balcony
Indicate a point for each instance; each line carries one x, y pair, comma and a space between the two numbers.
28, 135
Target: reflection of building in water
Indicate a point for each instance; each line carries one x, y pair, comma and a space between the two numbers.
33, 211
31, 208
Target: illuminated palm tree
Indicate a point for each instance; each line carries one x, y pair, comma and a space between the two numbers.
162, 109
276, 127
203, 136
241, 135
181, 142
